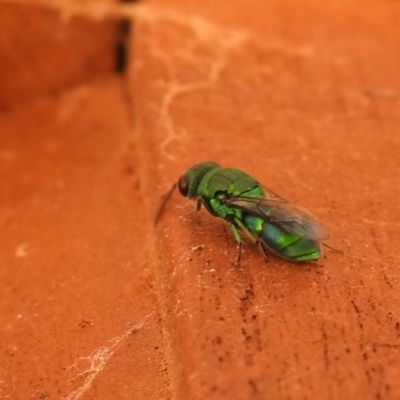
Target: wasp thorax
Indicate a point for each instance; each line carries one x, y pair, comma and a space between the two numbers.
183, 185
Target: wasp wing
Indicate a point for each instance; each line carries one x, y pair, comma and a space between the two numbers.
289, 217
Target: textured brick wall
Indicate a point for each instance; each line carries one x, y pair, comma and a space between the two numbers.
97, 302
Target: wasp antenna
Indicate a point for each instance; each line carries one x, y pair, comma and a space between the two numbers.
332, 248
164, 200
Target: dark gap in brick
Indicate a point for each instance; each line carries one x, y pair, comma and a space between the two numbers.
122, 42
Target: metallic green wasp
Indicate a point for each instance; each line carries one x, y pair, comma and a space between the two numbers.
264, 217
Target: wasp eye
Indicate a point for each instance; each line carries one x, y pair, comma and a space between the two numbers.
183, 185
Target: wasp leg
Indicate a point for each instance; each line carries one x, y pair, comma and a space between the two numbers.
260, 246
332, 248
252, 236
239, 240
198, 208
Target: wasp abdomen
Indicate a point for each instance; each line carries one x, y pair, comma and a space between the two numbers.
285, 244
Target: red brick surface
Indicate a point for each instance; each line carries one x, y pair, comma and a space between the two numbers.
304, 97
48, 49
98, 303
78, 307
